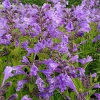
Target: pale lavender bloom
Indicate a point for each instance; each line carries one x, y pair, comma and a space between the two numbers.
3, 23
7, 73
69, 27
39, 46
63, 48
6, 4
20, 84
94, 75
2, 32
27, 21
54, 17
40, 83
97, 96
96, 86
18, 70
85, 27
92, 2
74, 59
37, 30
53, 31
26, 98
63, 81
25, 60
52, 65
30, 51
34, 70
52, 84
64, 39
47, 73
81, 72
89, 59
86, 60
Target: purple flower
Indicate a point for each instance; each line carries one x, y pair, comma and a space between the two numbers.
81, 72
63, 48
52, 65
30, 51
27, 21
45, 95
96, 38
25, 60
47, 73
63, 81
18, 70
67, 98
80, 33
49, 42
7, 73
74, 59
86, 60
13, 97
75, 48
69, 27
6, 4
39, 46
97, 96
64, 39
33, 70
96, 86
26, 98
52, 84
85, 27
20, 84
40, 84
25, 45
37, 30
94, 75
5, 39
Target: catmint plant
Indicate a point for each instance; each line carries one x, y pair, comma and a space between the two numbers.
46, 39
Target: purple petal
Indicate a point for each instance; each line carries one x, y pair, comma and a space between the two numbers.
26, 98
20, 84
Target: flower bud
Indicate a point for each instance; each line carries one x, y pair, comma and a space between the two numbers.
13, 97
6, 85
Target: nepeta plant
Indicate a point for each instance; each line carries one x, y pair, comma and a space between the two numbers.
51, 31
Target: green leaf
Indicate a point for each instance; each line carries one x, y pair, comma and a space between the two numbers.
78, 84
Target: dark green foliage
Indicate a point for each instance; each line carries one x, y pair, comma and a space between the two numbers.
74, 2
37, 2
41, 2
